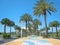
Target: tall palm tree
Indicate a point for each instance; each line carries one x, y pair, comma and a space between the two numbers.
41, 8
56, 24
36, 23
5, 22
26, 18
10, 24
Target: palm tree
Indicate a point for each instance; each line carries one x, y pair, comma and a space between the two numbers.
42, 7
36, 23
5, 22
51, 24
24, 32
43, 29
17, 28
29, 25
56, 24
26, 18
10, 24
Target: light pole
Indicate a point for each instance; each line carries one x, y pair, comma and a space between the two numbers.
21, 33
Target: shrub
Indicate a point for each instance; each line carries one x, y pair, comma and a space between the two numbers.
54, 35
44, 36
6, 35
0, 33
18, 35
58, 31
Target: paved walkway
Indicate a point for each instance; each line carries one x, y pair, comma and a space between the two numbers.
53, 41
36, 41
20, 40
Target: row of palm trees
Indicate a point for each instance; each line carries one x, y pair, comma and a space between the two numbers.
30, 23
40, 8
31, 26
7, 22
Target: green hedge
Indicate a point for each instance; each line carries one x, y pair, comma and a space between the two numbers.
6, 35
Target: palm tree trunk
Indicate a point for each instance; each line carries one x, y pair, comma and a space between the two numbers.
10, 32
5, 29
26, 27
52, 31
46, 26
36, 30
29, 31
56, 32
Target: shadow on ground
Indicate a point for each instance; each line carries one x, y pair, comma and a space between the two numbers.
6, 40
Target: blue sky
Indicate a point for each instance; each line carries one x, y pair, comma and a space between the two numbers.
13, 9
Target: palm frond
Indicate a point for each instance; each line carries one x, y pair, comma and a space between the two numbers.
42, 6
51, 8
49, 12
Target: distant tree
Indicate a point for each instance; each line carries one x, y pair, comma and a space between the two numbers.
16, 27
18, 30
41, 8
36, 23
51, 24
24, 32
43, 29
56, 24
29, 25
